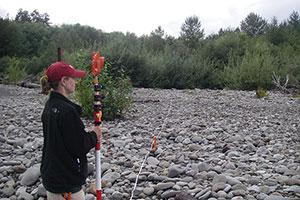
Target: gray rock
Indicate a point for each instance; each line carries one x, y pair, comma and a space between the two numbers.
218, 186
271, 182
294, 189
111, 177
230, 165
262, 196
119, 143
250, 148
254, 188
275, 197
221, 194
169, 194
18, 142
174, 171
194, 147
232, 181
42, 191
291, 172
254, 180
196, 139
292, 181
239, 187
2, 138
211, 137
116, 196
204, 196
7, 191
148, 191
89, 197
219, 178
104, 167
163, 186
179, 139
239, 192
31, 176
152, 161
25, 196
204, 167
10, 128
237, 198
281, 169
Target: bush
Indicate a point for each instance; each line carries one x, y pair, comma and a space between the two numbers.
15, 71
169, 70
250, 71
261, 93
4, 64
200, 72
117, 91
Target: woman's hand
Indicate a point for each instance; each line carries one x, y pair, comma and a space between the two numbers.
98, 131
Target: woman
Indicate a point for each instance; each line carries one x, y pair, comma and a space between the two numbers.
66, 143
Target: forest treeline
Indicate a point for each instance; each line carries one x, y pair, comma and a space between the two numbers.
243, 57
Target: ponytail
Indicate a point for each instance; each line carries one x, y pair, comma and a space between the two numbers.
45, 85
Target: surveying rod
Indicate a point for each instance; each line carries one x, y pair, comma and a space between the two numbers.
97, 64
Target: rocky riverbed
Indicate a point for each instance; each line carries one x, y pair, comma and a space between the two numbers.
211, 144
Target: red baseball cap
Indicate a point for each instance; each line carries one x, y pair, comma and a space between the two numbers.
59, 69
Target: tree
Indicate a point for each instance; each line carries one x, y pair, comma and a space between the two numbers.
228, 31
156, 41
191, 31
158, 32
294, 20
36, 17
23, 16
254, 25
276, 34
13, 41
35, 33
33, 17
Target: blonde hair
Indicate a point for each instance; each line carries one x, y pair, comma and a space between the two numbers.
46, 85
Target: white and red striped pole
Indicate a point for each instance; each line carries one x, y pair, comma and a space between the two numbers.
97, 64
98, 173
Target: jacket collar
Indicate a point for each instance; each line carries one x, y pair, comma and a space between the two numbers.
57, 95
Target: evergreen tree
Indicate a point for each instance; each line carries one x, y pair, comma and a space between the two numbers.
254, 25
294, 20
191, 31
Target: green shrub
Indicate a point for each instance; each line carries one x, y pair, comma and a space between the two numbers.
200, 72
117, 91
15, 71
261, 93
4, 64
250, 71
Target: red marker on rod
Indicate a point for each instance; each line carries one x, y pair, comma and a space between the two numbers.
97, 64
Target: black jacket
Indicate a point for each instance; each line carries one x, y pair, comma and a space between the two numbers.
66, 143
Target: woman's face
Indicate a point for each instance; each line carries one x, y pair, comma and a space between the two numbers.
70, 84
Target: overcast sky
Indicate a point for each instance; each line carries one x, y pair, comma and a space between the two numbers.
143, 16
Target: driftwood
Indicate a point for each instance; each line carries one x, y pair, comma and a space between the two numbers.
276, 82
29, 82
146, 101
29, 85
